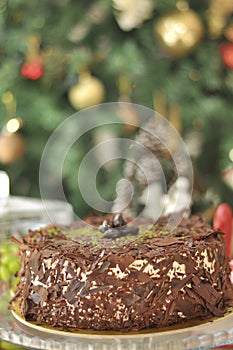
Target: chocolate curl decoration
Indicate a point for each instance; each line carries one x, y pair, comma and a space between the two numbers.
223, 222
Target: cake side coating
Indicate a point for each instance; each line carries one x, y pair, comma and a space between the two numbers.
74, 278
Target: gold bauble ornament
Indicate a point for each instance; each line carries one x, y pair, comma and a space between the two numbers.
88, 92
179, 32
217, 16
12, 147
131, 14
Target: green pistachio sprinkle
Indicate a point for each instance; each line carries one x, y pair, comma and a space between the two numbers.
53, 231
84, 232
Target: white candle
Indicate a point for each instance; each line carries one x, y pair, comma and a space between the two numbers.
4, 188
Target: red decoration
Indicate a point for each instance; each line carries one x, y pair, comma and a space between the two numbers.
226, 52
32, 70
223, 222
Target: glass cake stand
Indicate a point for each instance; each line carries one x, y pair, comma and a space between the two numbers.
15, 330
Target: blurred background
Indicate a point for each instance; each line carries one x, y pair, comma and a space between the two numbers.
60, 56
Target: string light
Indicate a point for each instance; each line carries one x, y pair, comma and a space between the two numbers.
231, 154
4, 186
13, 125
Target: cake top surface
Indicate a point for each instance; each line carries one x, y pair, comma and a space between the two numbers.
96, 234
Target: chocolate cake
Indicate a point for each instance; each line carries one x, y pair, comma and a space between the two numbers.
113, 275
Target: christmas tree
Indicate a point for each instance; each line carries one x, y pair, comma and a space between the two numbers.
58, 57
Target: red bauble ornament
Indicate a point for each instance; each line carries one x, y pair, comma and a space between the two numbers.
226, 52
223, 222
32, 70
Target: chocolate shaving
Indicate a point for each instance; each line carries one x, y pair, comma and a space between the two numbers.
34, 261
73, 290
105, 265
99, 289
131, 299
168, 241
206, 291
35, 297
85, 289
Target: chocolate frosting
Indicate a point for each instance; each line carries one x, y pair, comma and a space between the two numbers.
76, 278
